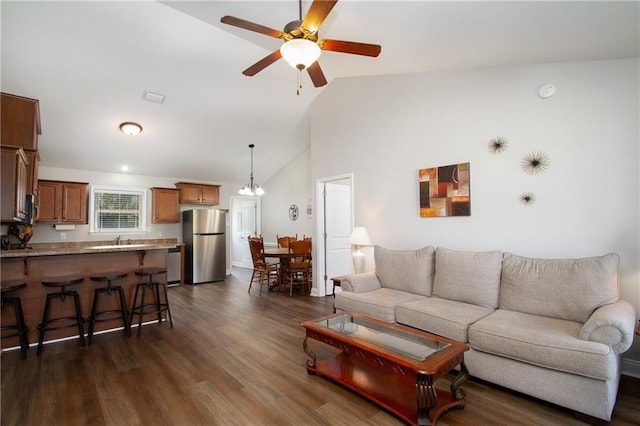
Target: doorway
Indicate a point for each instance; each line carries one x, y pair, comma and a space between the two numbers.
245, 221
334, 222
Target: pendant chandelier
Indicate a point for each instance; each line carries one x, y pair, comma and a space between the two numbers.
251, 188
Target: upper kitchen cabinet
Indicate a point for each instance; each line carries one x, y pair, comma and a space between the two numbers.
14, 184
33, 155
62, 202
166, 205
197, 193
20, 121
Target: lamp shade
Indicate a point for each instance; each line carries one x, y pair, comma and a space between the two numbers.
359, 237
300, 52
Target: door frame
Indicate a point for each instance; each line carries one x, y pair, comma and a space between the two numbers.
321, 286
233, 213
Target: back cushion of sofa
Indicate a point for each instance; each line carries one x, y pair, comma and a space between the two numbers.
466, 276
569, 289
405, 270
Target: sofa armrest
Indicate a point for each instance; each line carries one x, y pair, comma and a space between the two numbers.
611, 324
359, 283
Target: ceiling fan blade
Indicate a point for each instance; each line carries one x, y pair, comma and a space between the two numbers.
316, 15
262, 63
316, 74
352, 47
247, 25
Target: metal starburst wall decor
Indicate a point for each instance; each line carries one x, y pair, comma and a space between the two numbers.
498, 145
535, 163
527, 198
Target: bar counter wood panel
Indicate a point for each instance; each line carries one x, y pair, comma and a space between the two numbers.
39, 267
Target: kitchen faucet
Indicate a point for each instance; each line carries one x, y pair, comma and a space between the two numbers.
118, 240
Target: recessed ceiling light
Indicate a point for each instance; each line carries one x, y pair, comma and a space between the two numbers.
130, 128
124, 168
153, 97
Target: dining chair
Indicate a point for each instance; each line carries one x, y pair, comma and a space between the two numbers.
304, 237
300, 264
263, 272
285, 241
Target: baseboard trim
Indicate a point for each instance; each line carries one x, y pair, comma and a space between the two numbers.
631, 367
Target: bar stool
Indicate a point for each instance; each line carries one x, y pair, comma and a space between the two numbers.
141, 308
20, 327
109, 290
61, 283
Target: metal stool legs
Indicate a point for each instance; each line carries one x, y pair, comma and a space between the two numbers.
20, 327
109, 289
156, 307
44, 325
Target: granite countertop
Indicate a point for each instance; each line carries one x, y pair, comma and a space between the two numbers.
88, 247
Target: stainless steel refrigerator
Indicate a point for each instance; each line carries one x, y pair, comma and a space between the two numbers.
203, 233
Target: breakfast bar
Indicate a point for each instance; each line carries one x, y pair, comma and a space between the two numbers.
44, 261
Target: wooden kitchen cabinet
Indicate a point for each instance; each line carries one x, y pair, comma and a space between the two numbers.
166, 205
14, 184
33, 156
62, 202
20, 121
197, 193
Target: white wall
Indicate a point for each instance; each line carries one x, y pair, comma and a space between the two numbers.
383, 129
291, 185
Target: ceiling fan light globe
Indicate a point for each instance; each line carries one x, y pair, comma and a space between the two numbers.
300, 53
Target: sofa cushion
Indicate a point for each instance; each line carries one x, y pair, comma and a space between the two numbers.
443, 317
405, 270
471, 277
379, 303
543, 341
569, 289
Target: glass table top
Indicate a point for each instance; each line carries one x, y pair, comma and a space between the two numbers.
404, 343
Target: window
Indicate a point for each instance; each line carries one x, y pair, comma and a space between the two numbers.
117, 210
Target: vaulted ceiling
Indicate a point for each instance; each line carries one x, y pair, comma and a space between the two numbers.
90, 62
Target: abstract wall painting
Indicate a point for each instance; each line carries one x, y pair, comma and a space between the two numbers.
445, 191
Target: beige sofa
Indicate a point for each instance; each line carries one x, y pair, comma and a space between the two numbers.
550, 328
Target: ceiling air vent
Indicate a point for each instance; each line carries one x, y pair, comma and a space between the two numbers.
153, 97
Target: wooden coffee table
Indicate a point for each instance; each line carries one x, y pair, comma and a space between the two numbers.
392, 365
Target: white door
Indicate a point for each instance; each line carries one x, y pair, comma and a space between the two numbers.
335, 217
245, 214
338, 225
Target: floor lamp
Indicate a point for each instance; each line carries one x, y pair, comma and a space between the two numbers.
359, 237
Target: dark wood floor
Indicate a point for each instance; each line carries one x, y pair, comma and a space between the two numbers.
231, 359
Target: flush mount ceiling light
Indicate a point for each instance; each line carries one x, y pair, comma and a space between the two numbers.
251, 189
130, 128
124, 168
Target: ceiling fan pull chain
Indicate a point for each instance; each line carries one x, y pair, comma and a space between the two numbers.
299, 82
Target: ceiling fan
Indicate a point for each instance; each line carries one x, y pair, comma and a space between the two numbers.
302, 47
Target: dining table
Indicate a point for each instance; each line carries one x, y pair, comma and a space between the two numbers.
284, 256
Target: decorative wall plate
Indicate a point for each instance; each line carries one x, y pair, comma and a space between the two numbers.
293, 212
